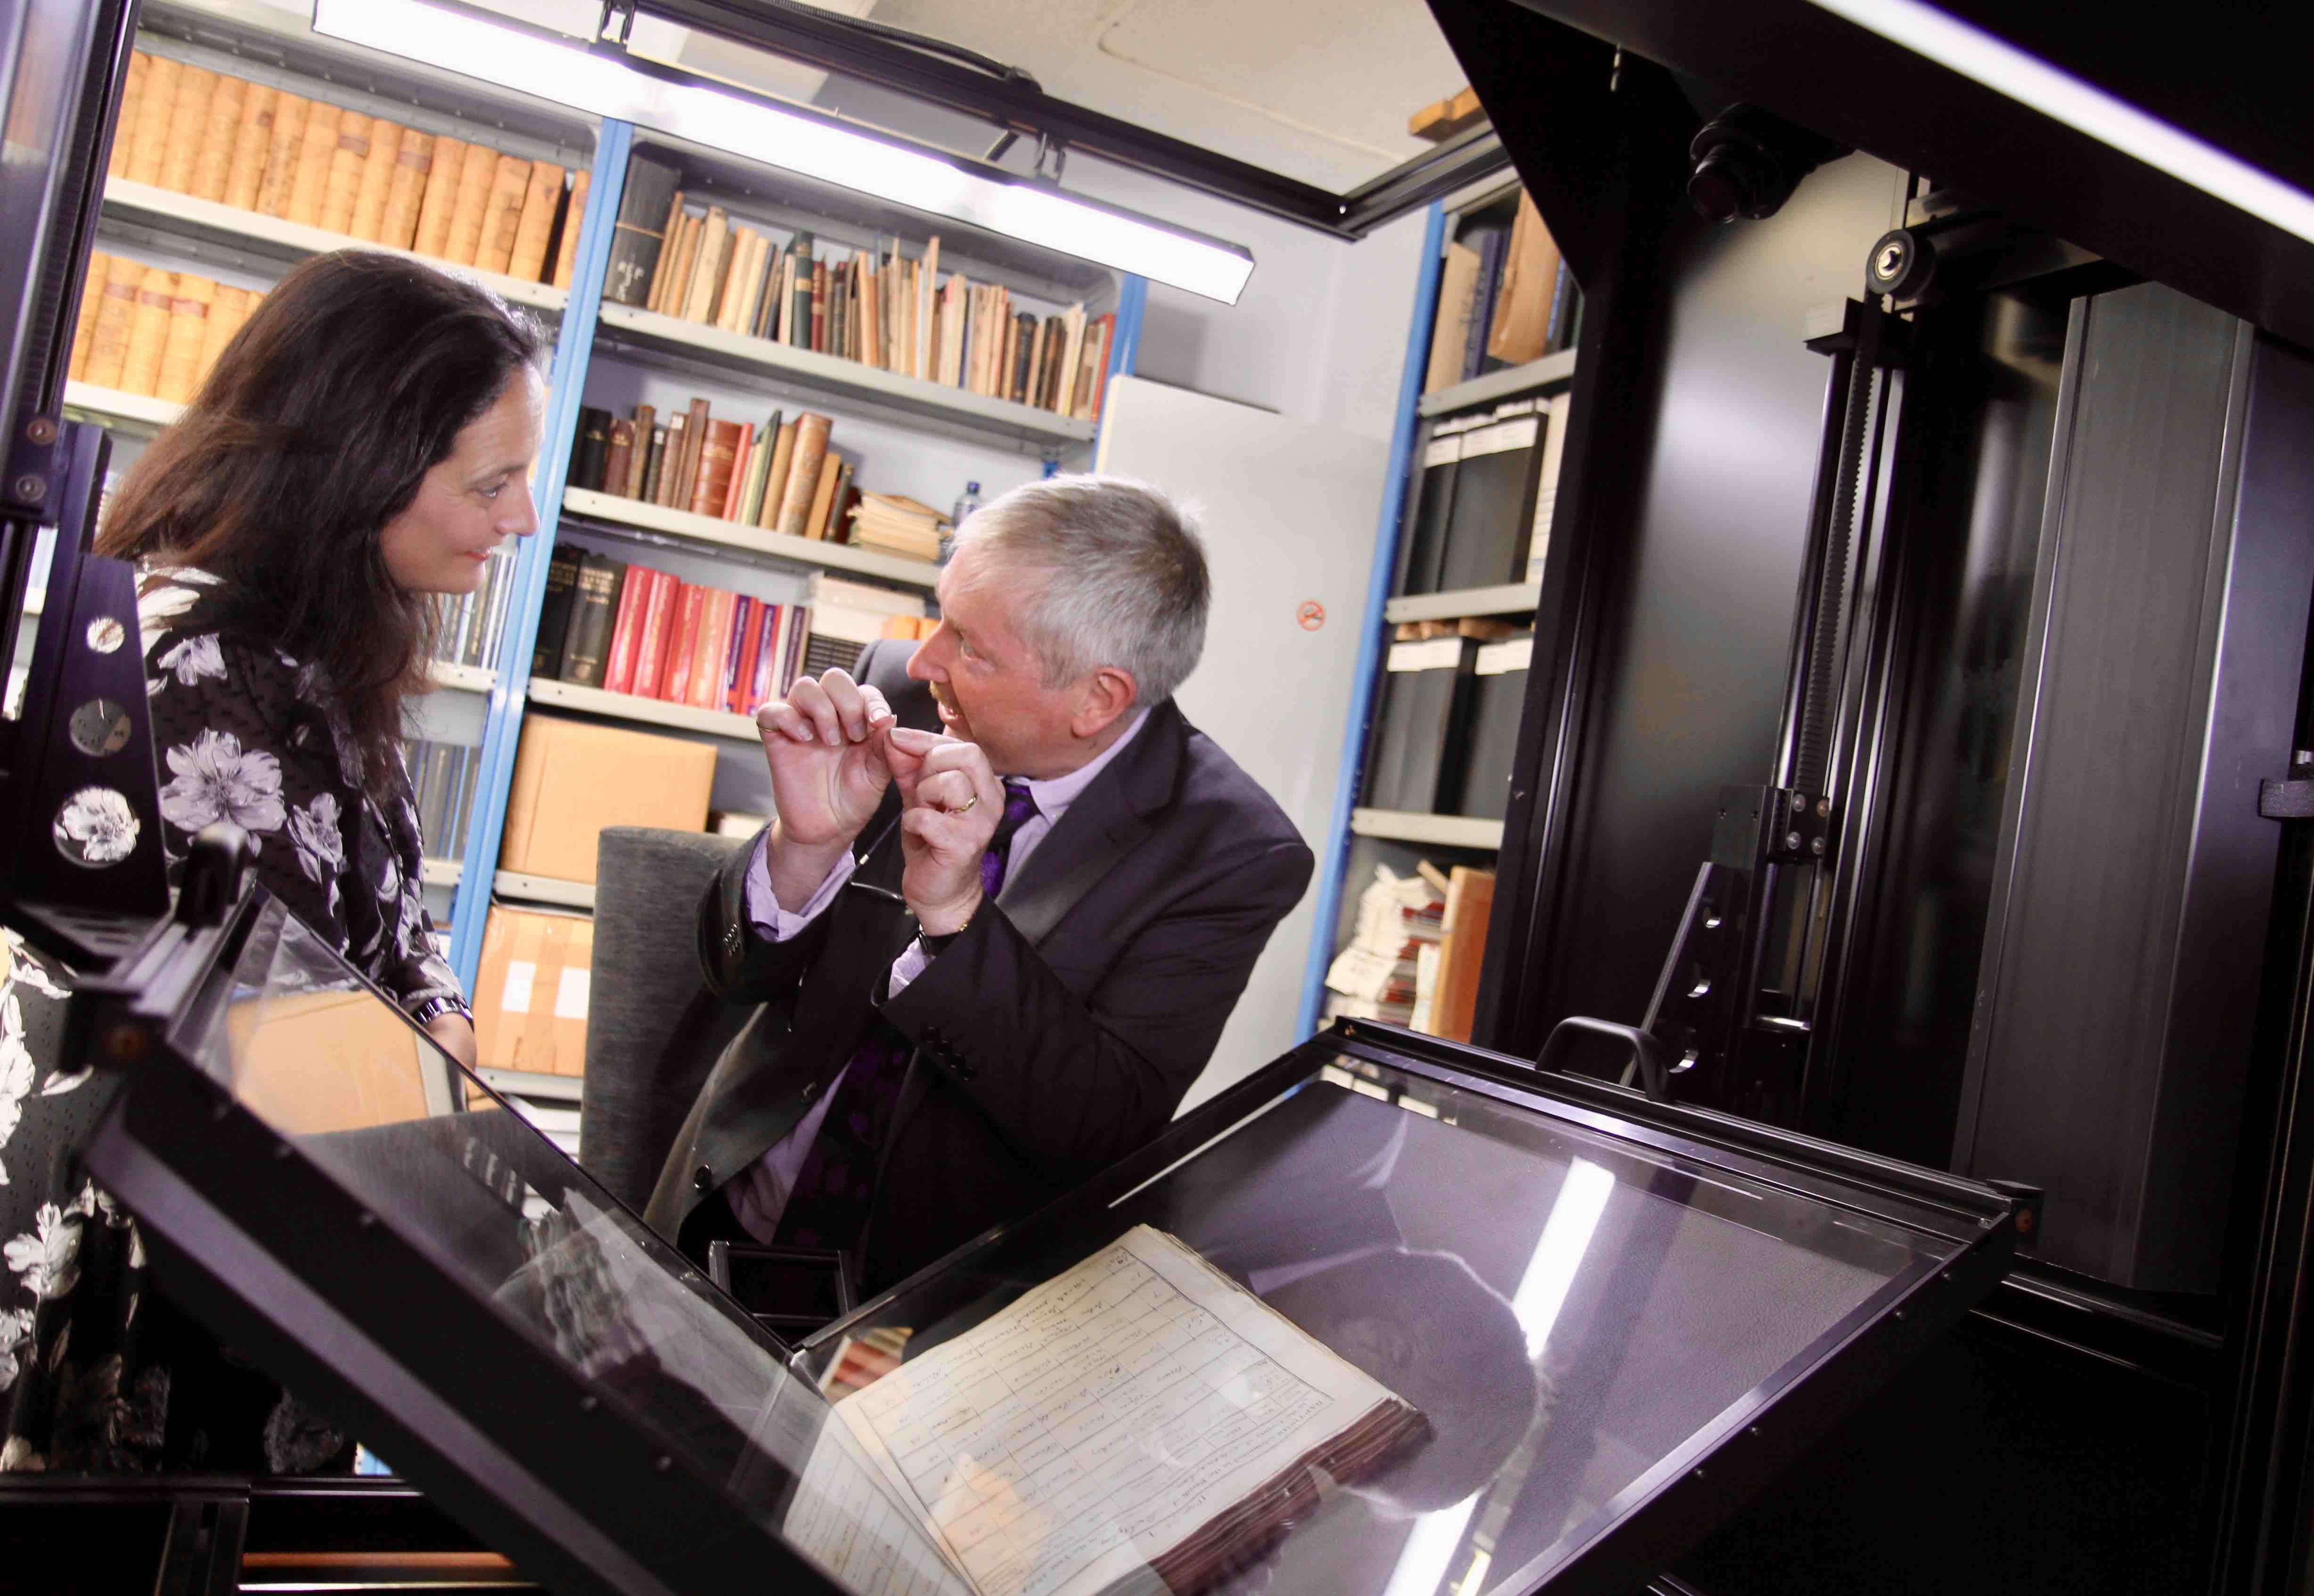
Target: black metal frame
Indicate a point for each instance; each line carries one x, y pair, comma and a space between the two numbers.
1016, 104
337, 1299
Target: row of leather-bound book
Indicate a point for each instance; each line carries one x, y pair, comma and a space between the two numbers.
144, 329
779, 476
262, 149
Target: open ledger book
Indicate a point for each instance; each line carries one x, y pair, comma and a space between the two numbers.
1140, 1423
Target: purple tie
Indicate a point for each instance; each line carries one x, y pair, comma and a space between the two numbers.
837, 1182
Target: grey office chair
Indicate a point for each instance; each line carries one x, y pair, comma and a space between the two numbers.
653, 1029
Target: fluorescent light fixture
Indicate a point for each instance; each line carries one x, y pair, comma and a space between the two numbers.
605, 82
2030, 80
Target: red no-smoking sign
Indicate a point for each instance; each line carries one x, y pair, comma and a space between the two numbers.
1311, 614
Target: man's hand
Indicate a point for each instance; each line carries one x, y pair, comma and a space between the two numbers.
951, 802
828, 774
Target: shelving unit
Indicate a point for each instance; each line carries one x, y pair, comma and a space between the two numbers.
531, 1083
544, 889
836, 377
1419, 415
185, 216
719, 533
263, 43
1552, 371
1511, 598
1438, 831
650, 711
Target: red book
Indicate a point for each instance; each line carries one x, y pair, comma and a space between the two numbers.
709, 643
746, 635
819, 306
682, 645
627, 630
1100, 383
650, 657
763, 674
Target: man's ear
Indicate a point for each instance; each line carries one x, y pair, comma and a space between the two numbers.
1108, 692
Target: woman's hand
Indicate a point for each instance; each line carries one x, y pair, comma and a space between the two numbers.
455, 1032
826, 750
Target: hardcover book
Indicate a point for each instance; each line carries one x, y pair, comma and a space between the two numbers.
803, 474
719, 453
124, 121
574, 217
554, 612
377, 187
149, 145
443, 175
541, 200
476, 172
252, 137
219, 133
188, 116
405, 195
590, 451
639, 230
181, 354
283, 148
315, 154
586, 640
347, 160
502, 213
148, 332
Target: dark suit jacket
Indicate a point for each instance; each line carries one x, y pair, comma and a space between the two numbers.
1055, 1034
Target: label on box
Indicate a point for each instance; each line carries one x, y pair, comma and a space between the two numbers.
1428, 654
1512, 654
1444, 451
571, 994
1518, 433
521, 975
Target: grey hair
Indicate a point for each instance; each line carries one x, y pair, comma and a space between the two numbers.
1120, 573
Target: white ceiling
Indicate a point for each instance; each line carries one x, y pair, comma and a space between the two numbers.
1319, 89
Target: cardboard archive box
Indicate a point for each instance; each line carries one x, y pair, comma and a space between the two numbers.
531, 992
571, 779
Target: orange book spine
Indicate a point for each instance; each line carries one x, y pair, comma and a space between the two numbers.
542, 198
347, 157
189, 121
227, 312
711, 479
475, 177
180, 356
822, 495
376, 181
311, 189
574, 214
502, 213
405, 195
738, 488
92, 297
252, 135
149, 145
214, 162
116, 319
442, 177
674, 680
148, 334
124, 121
627, 627
286, 143
803, 473
707, 649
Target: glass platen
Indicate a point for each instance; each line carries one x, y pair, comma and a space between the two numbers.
1578, 1313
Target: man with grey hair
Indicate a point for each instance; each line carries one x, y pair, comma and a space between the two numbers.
1009, 900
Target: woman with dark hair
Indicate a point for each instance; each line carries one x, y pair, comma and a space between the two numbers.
361, 446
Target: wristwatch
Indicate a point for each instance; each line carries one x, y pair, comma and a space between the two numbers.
434, 1008
935, 945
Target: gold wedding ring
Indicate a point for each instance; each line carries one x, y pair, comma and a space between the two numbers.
967, 809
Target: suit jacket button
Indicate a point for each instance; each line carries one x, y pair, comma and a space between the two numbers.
705, 1180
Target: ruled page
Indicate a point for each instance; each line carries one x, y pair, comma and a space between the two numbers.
1068, 1441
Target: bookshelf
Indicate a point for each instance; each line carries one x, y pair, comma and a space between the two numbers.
650, 711
834, 377
608, 355
1437, 831
542, 889
186, 216
1526, 387
718, 533
1509, 598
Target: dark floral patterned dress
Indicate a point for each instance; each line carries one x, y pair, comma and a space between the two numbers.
245, 733
98, 1374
